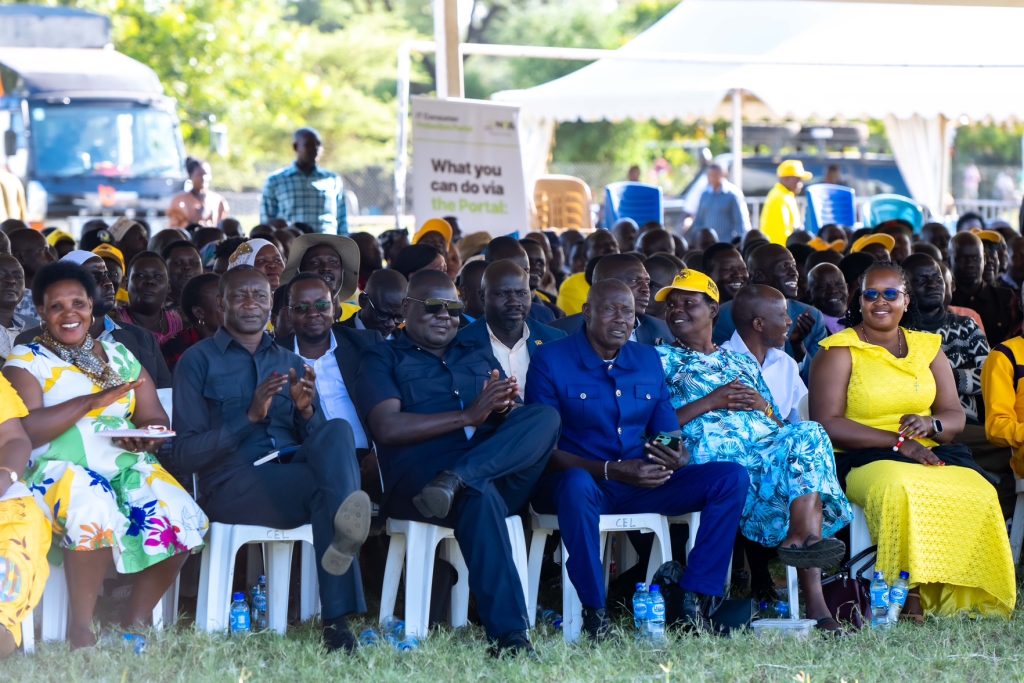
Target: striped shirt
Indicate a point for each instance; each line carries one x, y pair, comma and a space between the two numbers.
316, 198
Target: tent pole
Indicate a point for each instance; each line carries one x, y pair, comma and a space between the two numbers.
401, 137
737, 138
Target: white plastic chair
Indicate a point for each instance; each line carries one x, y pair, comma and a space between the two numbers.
28, 633
860, 534
412, 548
55, 605
572, 609
217, 573
1017, 524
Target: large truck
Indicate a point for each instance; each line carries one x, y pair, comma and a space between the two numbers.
88, 130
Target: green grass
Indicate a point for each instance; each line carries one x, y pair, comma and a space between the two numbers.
941, 650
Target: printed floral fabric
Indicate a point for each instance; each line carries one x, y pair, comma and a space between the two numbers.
97, 495
24, 540
784, 463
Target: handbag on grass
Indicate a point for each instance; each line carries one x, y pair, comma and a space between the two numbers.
847, 591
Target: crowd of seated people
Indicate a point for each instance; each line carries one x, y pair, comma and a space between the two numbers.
460, 379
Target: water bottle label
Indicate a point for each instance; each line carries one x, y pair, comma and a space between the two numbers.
240, 621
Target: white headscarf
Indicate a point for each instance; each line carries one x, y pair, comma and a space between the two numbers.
79, 256
245, 254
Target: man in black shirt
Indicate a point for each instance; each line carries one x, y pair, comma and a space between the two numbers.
995, 304
238, 397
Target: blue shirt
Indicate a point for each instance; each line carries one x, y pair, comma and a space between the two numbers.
608, 409
723, 211
425, 384
214, 383
316, 198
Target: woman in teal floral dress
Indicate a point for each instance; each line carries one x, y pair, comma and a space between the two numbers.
109, 499
727, 414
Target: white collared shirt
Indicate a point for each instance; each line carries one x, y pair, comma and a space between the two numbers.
515, 361
335, 398
781, 374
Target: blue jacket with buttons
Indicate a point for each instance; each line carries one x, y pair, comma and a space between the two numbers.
608, 409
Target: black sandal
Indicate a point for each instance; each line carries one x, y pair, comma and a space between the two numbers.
830, 626
828, 552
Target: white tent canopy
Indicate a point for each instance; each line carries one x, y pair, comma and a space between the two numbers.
918, 66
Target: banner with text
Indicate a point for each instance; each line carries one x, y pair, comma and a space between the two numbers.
466, 163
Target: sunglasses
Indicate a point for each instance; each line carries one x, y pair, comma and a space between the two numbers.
434, 306
384, 316
889, 294
321, 306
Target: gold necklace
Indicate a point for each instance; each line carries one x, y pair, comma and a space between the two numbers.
899, 339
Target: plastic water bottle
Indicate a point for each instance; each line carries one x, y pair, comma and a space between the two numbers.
782, 609
898, 596
879, 602
259, 604
136, 642
550, 617
641, 611
240, 618
393, 630
369, 638
408, 644
656, 616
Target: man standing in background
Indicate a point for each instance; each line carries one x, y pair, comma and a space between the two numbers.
722, 208
304, 193
781, 214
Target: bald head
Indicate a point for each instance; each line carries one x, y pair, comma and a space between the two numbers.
240, 274
5, 243
500, 270
657, 241
383, 281
761, 315
429, 283
610, 315
31, 250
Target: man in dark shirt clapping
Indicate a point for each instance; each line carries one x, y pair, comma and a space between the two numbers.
239, 397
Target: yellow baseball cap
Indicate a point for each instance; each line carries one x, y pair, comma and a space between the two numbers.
793, 167
819, 244
110, 251
689, 280
58, 236
989, 236
438, 225
886, 241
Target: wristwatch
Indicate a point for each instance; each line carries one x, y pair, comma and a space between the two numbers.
936, 426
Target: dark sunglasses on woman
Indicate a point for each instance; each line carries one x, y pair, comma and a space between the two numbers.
889, 294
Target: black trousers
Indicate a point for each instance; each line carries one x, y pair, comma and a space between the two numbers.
501, 467
306, 490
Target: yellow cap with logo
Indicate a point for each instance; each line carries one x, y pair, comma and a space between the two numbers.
793, 168
690, 280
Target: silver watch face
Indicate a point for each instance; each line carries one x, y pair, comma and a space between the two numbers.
937, 424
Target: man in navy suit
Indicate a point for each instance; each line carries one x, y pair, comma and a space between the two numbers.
627, 268
504, 331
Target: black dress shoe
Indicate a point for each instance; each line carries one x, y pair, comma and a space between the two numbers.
437, 497
338, 636
693, 612
512, 645
596, 624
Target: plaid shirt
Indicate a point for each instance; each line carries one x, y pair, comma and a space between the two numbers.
317, 198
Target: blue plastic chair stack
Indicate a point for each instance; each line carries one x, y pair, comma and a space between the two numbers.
891, 207
639, 201
829, 204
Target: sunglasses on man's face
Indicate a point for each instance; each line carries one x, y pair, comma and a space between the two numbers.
434, 306
889, 294
321, 306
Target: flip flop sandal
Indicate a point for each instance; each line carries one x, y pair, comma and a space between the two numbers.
823, 554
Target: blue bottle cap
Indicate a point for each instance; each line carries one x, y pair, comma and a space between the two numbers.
641, 586
237, 596
879, 575
904, 575
655, 588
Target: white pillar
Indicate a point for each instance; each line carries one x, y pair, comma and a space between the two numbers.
737, 138
402, 136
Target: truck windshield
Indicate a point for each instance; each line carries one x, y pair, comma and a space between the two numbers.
117, 142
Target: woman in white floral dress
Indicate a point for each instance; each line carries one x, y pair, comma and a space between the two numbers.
109, 499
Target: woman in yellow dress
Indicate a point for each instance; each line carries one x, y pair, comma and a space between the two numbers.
24, 529
887, 398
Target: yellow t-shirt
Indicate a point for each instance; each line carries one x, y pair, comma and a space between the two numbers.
884, 388
11, 405
780, 215
573, 294
1004, 405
